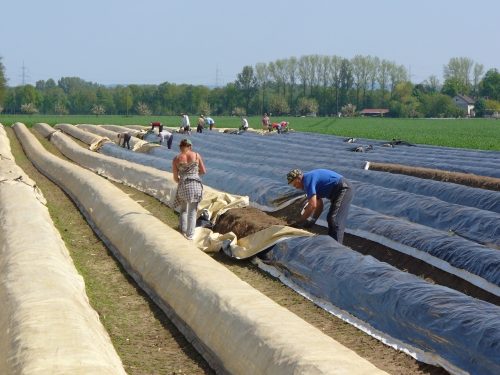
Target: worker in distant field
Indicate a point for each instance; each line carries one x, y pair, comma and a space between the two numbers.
124, 140
156, 124
210, 122
201, 124
319, 184
266, 121
244, 124
362, 148
280, 126
165, 134
185, 124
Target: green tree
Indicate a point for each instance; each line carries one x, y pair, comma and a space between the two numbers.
29, 109
453, 86
97, 110
307, 106
480, 107
346, 81
439, 105
404, 103
142, 109
204, 108
459, 70
348, 110
246, 85
104, 98
3, 82
123, 100
80, 101
490, 85
52, 97
278, 105
28, 94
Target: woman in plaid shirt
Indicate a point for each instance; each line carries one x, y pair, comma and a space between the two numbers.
187, 167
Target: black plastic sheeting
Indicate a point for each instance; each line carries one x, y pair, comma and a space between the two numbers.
458, 252
471, 221
266, 193
462, 330
477, 225
251, 149
244, 164
483, 163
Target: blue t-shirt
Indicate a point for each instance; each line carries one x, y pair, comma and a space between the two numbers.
209, 121
320, 182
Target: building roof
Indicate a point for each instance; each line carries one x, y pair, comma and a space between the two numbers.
375, 110
465, 98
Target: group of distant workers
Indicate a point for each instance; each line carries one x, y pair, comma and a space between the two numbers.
202, 123
280, 127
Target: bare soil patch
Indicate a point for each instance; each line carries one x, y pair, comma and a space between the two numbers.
468, 179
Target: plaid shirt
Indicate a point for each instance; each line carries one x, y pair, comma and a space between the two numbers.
190, 188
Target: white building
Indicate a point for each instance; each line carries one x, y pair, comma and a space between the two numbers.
465, 102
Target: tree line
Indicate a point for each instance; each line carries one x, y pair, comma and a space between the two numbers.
309, 85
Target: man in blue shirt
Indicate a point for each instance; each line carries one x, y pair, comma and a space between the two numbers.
319, 184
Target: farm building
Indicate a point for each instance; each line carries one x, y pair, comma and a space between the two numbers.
374, 112
465, 102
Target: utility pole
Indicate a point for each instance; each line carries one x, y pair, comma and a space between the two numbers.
216, 76
24, 74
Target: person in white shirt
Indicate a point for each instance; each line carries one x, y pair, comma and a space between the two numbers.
185, 124
244, 124
165, 134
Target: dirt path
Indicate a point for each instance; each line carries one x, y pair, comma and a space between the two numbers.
144, 338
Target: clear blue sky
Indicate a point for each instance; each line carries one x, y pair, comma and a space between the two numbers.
188, 41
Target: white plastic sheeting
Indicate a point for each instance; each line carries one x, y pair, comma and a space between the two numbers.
236, 328
47, 325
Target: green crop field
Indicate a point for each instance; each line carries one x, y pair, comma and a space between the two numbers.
465, 133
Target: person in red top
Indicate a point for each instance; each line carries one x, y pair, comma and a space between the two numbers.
157, 124
279, 126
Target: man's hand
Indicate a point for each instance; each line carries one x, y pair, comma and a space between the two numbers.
309, 223
299, 224
303, 224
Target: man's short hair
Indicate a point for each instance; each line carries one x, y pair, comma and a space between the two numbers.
293, 174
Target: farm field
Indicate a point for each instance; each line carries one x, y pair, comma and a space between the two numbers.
387, 362
481, 134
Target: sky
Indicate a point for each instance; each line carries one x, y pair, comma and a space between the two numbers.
208, 42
